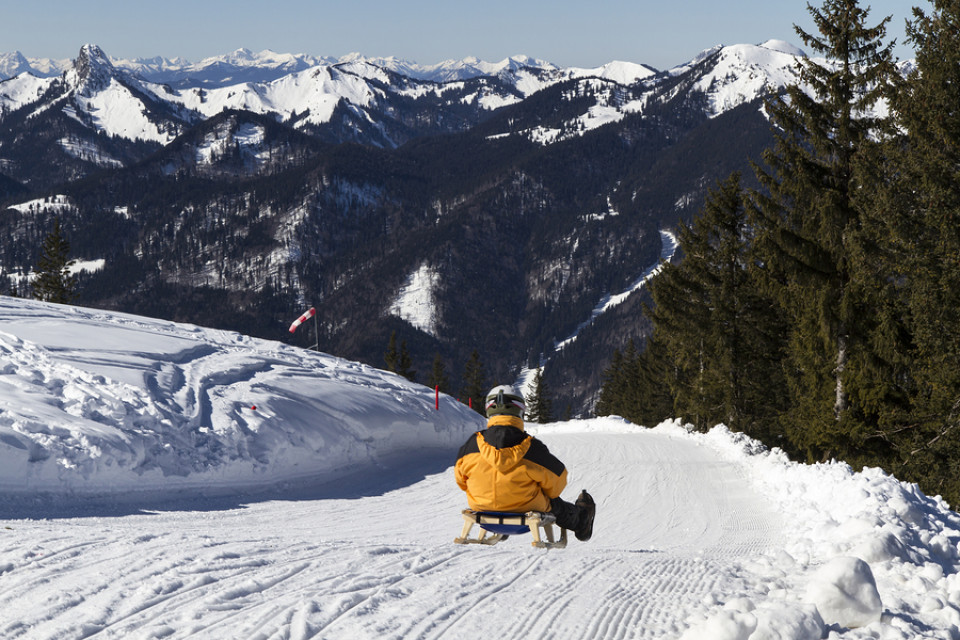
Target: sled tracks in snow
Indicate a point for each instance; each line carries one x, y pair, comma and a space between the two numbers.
675, 526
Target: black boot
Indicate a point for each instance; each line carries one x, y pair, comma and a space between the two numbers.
588, 509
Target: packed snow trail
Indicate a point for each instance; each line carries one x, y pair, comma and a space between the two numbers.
160, 480
372, 556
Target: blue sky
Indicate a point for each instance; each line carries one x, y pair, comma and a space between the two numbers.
662, 34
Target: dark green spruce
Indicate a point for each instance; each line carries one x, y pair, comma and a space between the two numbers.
809, 225
54, 282
539, 402
722, 338
475, 385
438, 375
918, 212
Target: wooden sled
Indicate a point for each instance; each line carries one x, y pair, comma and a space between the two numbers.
500, 524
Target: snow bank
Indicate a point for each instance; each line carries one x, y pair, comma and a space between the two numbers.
865, 555
99, 403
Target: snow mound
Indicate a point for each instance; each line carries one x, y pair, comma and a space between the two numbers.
100, 403
845, 593
742, 620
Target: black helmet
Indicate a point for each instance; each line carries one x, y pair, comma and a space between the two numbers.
504, 400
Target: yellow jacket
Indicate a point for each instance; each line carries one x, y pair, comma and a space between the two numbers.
504, 469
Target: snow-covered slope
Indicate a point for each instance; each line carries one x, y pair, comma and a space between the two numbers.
107, 99
99, 96
733, 75
744, 72
92, 402
335, 509
416, 301
317, 90
618, 71
22, 90
716, 81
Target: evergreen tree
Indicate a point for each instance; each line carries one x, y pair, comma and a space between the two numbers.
920, 215
438, 375
392, 356
54, 282
630, 385
405, 362
721, 336
613, 391
681, 317
475, 384
539, 403
809, 222
635, 385
653, 372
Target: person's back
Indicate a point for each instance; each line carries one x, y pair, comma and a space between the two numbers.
502, 468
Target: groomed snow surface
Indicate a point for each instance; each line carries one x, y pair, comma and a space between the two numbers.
167, 481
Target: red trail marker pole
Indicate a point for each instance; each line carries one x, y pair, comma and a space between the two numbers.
437, 400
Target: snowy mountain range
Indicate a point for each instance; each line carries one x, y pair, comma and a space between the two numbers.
265, 182
154, 100
244, 65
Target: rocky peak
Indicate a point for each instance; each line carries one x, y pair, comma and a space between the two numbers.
93, 68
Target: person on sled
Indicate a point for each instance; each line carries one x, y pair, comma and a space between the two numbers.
502, 468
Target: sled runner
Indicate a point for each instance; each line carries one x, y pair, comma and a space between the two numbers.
500, 524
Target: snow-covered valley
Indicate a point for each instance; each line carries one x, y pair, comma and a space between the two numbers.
168, 481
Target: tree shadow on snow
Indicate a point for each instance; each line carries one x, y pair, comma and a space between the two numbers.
352, 483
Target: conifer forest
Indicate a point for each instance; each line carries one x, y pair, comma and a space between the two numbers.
819, 310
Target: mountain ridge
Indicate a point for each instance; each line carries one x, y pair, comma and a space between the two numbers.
310, 95
339, 185
176, 70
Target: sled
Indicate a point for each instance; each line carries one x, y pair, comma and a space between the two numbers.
497, 525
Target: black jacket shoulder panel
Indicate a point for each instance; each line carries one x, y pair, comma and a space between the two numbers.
503, 436
539, 454
470, 446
